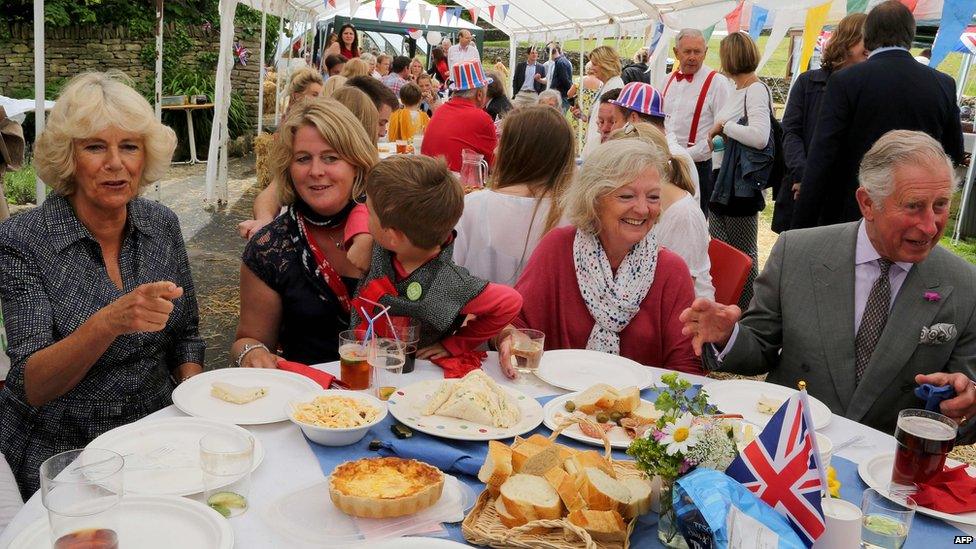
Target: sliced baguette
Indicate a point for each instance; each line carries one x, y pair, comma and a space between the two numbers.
530, 497
601, 525
540, 440
598, 397
588, 458
628, 400
497, 466
565, 486
640, 497
602, 492
533, 459
565, 452
646, 412
509, 520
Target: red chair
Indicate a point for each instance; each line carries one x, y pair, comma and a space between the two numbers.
730, 269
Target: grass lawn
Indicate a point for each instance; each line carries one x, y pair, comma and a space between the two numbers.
775, 67
20, 185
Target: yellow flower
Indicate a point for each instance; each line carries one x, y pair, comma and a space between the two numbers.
833, 485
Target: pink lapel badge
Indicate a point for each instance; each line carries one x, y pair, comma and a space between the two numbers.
932, 296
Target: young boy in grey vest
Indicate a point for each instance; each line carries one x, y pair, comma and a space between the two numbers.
414, 203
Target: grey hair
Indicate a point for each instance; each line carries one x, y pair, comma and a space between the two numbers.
689, 33
551, 93
897, 148
468, 94
610, 166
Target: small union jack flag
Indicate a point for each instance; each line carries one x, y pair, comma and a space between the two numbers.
781, 467
968, 40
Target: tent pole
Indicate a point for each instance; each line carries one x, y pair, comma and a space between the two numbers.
579, 90
159, 76
512, 47
967, 188
278, 75
262, 68
965, 67
39, 112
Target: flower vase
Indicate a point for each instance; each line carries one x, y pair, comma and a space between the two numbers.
667, 523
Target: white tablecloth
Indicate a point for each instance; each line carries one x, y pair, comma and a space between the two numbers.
289, 464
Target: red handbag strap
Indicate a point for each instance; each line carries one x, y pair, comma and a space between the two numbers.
698, 108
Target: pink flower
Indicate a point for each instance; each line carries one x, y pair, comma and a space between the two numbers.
658, 435
932, 296
684, 467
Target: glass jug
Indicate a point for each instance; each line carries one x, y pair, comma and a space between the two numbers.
474, 169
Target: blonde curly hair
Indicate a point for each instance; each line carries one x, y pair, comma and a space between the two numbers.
89, 104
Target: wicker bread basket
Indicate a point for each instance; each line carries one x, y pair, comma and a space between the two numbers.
482, 526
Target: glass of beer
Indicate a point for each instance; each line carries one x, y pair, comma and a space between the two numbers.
81, 490
924, 439
401, 147
527, 347
353, 367
405, 329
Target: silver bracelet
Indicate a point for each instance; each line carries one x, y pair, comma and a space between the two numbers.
247, 349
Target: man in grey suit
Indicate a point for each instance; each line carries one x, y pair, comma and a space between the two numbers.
862, 311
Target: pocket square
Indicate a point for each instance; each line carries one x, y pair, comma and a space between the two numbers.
937, 334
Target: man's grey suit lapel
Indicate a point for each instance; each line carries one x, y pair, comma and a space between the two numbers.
909, 313
833, 286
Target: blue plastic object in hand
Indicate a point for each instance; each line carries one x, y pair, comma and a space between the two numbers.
934, 395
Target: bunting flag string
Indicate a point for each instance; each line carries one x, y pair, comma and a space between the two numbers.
491, 12
655, 38
708, 33
956, 14
505, 11
757, 20
378, 4
733, 20
474, 15
424, 13
330, 3
440, 13
450, 16
379, 14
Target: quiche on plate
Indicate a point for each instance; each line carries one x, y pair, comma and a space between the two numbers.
385, 487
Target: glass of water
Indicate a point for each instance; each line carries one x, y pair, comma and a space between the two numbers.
81, 490
386, 358
226, 460
885, 523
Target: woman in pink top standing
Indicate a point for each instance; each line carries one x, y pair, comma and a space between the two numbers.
604, 283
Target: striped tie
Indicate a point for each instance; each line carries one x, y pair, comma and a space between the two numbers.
874, 319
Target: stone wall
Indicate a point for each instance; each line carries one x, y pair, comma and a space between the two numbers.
72, 50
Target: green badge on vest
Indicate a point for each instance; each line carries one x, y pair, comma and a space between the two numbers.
414, 290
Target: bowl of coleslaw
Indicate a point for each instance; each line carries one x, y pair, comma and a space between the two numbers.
334, 417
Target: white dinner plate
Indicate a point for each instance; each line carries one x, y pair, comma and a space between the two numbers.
193, 397
741, 396
162, 456
411, 542
618, 437
407, 405
876, 473
580, 369
151, 522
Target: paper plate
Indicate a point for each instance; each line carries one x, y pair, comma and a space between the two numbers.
162, 456
193, 397
741, 396
418, 543
151, 522
307, 517
618, 437
407, 404
579, 369
876, 473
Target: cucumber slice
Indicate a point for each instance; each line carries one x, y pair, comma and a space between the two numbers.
221, 509
229, 500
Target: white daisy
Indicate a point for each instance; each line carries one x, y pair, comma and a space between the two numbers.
681, 435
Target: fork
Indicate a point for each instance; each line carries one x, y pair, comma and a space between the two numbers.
849, 442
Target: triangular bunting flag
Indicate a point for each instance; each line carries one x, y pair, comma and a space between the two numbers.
955, 15
491, 12
655, 38
732, 20
450, 17
424, 13
330, 3
457, 11
911, 4
440, 13
857, 6
403, 4
378, 4
708, 33
816, 18
505, 11
400, 14
757, 20
474, 14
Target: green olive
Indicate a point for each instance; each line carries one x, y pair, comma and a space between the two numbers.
616, 417
602, 417
570, 406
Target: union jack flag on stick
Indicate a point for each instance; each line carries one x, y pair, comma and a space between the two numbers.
782, 468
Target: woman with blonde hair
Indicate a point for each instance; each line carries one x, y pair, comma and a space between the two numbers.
362, 107
305, 83
416, 69
355, 67
682, 227
502, 225
96, 287
501, 69
332, 85
296, 281
605, 283
606, 67
745, 124
845, 48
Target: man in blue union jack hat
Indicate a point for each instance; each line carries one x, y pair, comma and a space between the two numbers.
638, 102
462, 122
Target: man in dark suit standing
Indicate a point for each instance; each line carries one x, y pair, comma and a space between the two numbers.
528, 80
889, 91
561, 79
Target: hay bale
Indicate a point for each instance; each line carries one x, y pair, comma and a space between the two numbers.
262, 146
